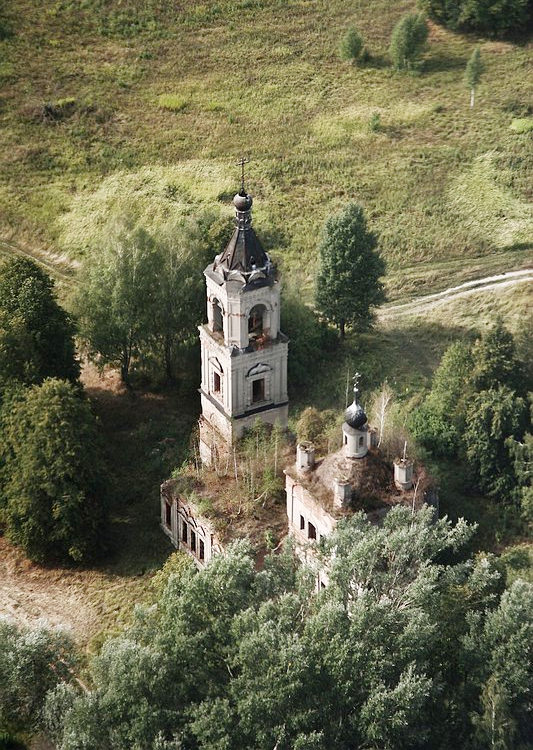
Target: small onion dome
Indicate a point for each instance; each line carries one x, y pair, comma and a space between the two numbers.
242, 201
355, 415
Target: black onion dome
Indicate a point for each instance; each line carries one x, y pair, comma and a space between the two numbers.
242, 201
355, 415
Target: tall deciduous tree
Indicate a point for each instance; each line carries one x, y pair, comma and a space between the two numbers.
116, 300
52, 480
348, 284
36, 334
182, 251
408, 41
473, 72
142, 295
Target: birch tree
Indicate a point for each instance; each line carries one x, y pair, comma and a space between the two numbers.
473, 72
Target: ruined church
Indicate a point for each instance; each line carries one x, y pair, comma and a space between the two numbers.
244, 378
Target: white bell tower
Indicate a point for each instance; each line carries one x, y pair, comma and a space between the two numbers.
244, 353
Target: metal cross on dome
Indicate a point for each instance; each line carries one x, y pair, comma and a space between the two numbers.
242, 161
356, 378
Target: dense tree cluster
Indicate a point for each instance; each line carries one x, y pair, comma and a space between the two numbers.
52, 487
33, 660
141, 294
36, 334
410, 646
348, 284
490, 17
478, 409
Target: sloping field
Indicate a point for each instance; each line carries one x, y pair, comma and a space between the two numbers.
92, 93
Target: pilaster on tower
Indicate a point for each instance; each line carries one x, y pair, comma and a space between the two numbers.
244, 352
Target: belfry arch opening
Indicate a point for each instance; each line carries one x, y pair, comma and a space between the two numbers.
256, 321
218, 318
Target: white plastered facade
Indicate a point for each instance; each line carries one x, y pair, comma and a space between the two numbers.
309, 522
243, 377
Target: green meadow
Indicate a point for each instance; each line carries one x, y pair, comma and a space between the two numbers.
108, 104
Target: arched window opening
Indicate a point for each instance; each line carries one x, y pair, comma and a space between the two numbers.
216, 377
258, 391
256, 321
218, 320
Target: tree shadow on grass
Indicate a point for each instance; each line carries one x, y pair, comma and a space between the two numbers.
146, 437
377, 61
405, 354
437, 63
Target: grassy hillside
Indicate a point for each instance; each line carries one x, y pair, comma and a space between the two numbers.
93, 92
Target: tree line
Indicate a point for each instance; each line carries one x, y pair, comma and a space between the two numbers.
53, 488
414, 645
478, 410
501, 18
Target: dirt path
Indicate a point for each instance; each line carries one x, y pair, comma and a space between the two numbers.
423, 304
58, 266
29, 593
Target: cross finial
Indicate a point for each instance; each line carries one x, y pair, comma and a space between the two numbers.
242, 161
356, 378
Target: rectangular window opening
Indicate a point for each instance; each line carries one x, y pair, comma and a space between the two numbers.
193, 541
202, 550
311, 531
302, 523
217, 382
258, 390
168, 514
184, 532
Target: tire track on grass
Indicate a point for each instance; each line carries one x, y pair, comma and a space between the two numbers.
429, 301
